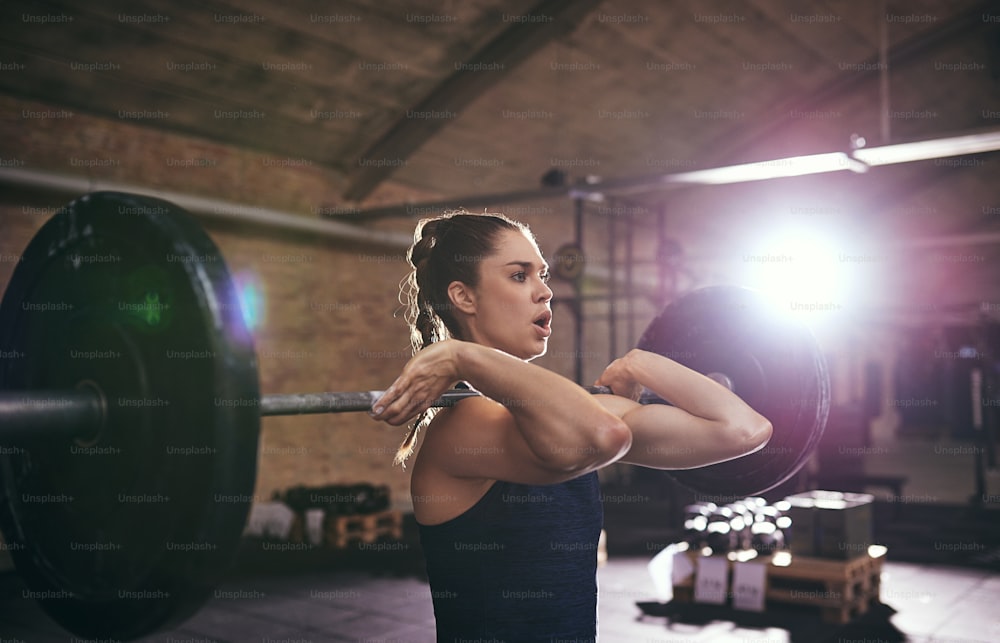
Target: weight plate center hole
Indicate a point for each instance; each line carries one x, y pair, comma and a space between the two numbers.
94, 435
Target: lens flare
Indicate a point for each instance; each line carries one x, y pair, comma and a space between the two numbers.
251, 300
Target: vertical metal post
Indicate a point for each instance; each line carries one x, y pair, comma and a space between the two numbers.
883, 59
976, 381
629, 294
612, 286
578, 291
661, 268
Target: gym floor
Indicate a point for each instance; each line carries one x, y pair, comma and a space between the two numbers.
379, 594
919, 603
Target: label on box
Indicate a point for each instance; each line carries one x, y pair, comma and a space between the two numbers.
269, 520
749, 585
711, 581
682, 568
668, 568
314, 526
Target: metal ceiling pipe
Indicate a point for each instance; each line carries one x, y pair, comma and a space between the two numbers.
75, 186
208, 207
973, 239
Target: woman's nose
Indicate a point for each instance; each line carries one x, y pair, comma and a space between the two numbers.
545, 294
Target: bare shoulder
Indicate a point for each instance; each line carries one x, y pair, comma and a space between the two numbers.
437, 494
465, 450
473, 429
468, 420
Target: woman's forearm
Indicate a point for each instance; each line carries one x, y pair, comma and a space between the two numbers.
707, 423
562, 423
687, 389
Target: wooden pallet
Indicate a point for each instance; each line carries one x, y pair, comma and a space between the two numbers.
340, 531
841, 589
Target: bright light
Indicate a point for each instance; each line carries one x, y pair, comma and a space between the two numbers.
799, 269
742, 556
877, 551
781, 558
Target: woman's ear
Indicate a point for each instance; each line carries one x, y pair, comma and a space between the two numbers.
462, 297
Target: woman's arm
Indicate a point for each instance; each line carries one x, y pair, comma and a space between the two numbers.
706, 424
536, 426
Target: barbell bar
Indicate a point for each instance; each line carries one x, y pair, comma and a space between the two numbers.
57, 414
80, 413
130, 409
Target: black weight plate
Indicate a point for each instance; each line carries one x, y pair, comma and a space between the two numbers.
129, 532
776, 366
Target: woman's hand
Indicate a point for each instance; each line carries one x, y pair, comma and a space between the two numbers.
619, 378
427, 375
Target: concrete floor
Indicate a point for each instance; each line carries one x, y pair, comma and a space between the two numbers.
927, 593
920, 603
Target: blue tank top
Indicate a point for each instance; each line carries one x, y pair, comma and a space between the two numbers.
520, 565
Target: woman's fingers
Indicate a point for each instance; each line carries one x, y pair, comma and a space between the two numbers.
399, 403
387, 407
619, 383
413, 392
378, 406
425, 377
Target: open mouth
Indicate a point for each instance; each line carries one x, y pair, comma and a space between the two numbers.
544, 320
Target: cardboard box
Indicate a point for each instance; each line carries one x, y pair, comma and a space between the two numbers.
830, 524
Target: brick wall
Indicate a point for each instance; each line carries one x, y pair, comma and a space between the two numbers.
327, 306
327, 318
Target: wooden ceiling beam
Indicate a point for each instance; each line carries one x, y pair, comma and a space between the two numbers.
497, 59
730, 144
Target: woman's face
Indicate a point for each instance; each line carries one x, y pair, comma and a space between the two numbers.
510, 307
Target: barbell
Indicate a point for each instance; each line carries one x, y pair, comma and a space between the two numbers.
130, 409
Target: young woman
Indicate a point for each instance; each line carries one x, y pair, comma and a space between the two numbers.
504, 486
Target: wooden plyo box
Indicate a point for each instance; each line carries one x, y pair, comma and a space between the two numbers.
366, 528
841, 589
338, 532
830, 524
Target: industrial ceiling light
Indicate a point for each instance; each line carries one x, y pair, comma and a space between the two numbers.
857, 160
775, 169
931, 149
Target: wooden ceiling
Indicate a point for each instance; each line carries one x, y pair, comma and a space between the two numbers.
468, 97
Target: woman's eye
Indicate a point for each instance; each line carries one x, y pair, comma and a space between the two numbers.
545, 277
519, 276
